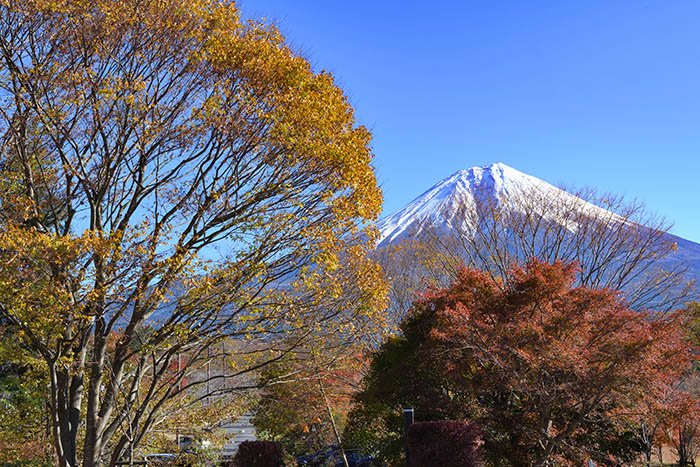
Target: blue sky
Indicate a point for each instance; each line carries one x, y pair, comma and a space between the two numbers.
579, 93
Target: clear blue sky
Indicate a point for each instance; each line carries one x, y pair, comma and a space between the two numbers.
581, 93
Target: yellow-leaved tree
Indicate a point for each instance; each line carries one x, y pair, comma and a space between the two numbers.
181, 188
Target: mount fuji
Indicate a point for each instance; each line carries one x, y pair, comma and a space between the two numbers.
457, 202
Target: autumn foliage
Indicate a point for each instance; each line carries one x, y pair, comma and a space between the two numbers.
549, 371
305, 398
259, 454
443, 443
174, 179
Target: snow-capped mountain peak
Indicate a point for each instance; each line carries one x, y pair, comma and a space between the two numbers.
449, 202
495, 216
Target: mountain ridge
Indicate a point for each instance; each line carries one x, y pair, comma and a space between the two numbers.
457, 201
496, 182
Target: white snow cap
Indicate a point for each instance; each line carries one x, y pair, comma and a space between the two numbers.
445, 203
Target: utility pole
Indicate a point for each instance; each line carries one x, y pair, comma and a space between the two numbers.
223, 361
208, 374
179, 370
407, 422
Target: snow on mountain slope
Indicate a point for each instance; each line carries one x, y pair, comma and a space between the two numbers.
469, 199
455, 201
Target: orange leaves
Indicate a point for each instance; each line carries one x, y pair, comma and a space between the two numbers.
36, 273
225, 186
545, 355
118, 15
27, 248
311, 119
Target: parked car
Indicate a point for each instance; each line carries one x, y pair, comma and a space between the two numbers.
332, 456
160, 459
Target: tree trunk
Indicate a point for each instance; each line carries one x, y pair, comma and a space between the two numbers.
330, 415
66, 393
682, 454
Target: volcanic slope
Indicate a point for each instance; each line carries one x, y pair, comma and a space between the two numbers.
497, 195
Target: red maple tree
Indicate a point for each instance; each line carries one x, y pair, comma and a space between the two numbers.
551, 372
